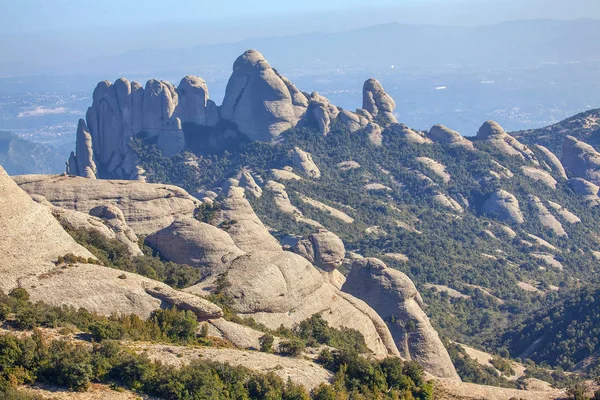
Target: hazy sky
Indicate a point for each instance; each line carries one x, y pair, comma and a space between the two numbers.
47, 32
35, 15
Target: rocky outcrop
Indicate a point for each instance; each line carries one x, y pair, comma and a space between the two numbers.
246, 181
586, 189
320, 113
581, 159
277, 287
564, 213
304, 162
351, 121
195, 106
377, 188
283, 202
539, 175
491, 132
552, 161
547, 220
147, 207
83, 164
410, 135
259, 101
323, 249
435, 168
244, 227
446, 201
113, 217
30, 237
441, 134
285, 175
203, 309
374, 134
504, 206
347, 165
31, 240
342, 216
396, 299
378, 103
188, 241
124, 109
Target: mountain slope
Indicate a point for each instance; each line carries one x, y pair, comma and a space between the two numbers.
19, 156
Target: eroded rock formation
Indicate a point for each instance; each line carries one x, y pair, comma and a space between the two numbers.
581, 159
396, 299
504, 206
259, 100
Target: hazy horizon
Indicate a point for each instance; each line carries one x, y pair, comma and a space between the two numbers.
42, 33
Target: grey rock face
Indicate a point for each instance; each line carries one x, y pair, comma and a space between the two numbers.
83, 164
31, 240
505, 206
586, 189
114, 218
123, 109
319, 114
196, 107
396, 299
495, 135
147, 207
378, 103
410, 135
188, 241
304, 162
441, 134
259, 101
374, 134
581, 159
323, 249
547, 220
247, 182
552, 161
184, 301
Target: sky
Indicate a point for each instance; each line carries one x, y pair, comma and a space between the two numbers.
49, 32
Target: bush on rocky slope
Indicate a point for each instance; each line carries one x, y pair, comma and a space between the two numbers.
35, 358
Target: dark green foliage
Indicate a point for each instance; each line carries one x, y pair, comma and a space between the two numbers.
470, 370
568, 331
170, 325
114, 254
206, 212
316, 330
75, 366
502, 365
292, 348
19, 294
266, 343
391, 376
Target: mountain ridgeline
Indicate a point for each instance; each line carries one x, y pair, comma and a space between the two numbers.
287, 206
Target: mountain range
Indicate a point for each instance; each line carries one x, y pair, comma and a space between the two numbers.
278, 213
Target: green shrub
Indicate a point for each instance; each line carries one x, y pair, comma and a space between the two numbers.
266, 343
19, 294
292, 348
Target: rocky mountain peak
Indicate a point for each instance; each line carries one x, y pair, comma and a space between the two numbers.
581, 159
378, 103
490, 129
259, 101
250, 60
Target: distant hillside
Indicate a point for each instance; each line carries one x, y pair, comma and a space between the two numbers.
565, 335
427, 47
584, 126
19, 156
